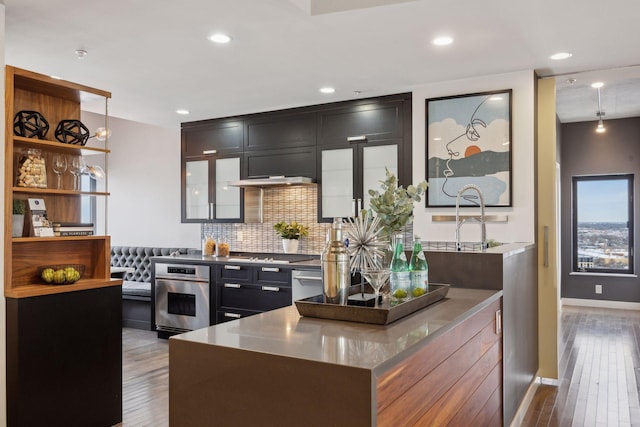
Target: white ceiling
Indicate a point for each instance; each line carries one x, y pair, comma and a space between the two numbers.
154, 56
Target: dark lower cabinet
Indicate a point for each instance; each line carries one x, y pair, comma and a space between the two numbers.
64, 359
246, 290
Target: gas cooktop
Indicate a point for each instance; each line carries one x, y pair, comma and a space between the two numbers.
270, 258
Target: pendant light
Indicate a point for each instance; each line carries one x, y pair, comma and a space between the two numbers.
599, 114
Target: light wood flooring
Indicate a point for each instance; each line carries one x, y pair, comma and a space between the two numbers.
145, 379
598, 373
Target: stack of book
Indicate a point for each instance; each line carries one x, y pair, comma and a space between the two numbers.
72, 229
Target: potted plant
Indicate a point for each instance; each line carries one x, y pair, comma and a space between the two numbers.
394, 204
290, 234
17, 224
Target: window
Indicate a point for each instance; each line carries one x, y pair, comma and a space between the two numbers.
603, 224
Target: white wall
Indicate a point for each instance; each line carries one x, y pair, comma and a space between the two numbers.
144, 182
521, 219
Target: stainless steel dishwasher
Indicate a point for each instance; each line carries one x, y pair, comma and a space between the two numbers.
305, 284
182, 297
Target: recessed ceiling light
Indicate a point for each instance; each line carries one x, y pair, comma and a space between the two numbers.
81, 53
220, 38
327, 89
561, 55
182, 112
597, 85
442, 41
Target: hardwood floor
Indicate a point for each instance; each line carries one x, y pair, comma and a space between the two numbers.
599, 371
145, 379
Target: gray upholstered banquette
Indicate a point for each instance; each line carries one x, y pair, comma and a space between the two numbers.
136, 286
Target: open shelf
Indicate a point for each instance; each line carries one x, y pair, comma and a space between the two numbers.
36, 289
56, 191
54, 145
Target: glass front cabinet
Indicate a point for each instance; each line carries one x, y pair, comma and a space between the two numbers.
347, 174
206, 195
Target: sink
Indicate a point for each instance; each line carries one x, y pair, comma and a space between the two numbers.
451, 246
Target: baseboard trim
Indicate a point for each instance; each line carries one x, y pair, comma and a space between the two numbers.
518, 418
621, 305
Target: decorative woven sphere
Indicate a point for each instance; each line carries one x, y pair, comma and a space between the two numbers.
30, 124
72, 132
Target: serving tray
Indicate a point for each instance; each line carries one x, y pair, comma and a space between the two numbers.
387, 312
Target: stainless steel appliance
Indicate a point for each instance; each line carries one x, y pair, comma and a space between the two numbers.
305, 284
182, 297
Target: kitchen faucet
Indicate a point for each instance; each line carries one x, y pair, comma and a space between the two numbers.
483, 244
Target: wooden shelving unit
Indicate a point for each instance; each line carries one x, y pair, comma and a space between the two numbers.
68, 336
56, 100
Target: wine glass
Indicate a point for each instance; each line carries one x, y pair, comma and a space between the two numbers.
76, 165
376, 278
59, 166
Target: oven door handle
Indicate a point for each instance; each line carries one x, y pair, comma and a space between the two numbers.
233, 285
271, 288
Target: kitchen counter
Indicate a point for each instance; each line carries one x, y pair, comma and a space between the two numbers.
313, 263
278, 368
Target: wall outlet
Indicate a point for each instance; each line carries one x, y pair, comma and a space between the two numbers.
239, 236
598, 289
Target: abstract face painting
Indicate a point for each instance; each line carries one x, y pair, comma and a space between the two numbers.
469, 142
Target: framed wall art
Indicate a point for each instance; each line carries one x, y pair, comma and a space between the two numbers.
468, 140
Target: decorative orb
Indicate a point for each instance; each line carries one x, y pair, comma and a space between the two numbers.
72, 132
30, 124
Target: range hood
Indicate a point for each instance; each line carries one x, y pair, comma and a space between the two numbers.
272, 181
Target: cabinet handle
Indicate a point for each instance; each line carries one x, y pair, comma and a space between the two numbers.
233, 285
209, 151
357, 138
231, 267
271, 269
210, 210
233, 315
498, 322
319, 279
354, 207
271, 288
359, 205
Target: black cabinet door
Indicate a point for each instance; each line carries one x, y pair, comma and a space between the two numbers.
287, 162
205, 195
280, 130
361, 122
212, 137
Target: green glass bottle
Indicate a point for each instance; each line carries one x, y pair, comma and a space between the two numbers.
418, 270
400, 279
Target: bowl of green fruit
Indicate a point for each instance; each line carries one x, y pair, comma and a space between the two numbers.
63, 274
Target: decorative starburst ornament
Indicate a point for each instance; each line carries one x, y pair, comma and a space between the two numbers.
367, 244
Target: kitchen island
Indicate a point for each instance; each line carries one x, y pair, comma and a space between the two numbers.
441, 364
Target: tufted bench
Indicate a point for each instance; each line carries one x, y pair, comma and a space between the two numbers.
136, 286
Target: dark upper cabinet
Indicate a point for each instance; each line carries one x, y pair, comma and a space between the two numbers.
286, 162
367, 120
280, 130
212, 137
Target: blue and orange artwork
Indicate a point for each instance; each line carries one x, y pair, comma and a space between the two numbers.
469, 142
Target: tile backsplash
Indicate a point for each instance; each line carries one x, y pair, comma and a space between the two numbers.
281, 204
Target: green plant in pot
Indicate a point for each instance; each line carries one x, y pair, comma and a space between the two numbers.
17, 221
393, 204
291, 234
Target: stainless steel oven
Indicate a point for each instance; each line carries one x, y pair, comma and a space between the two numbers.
182, 297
